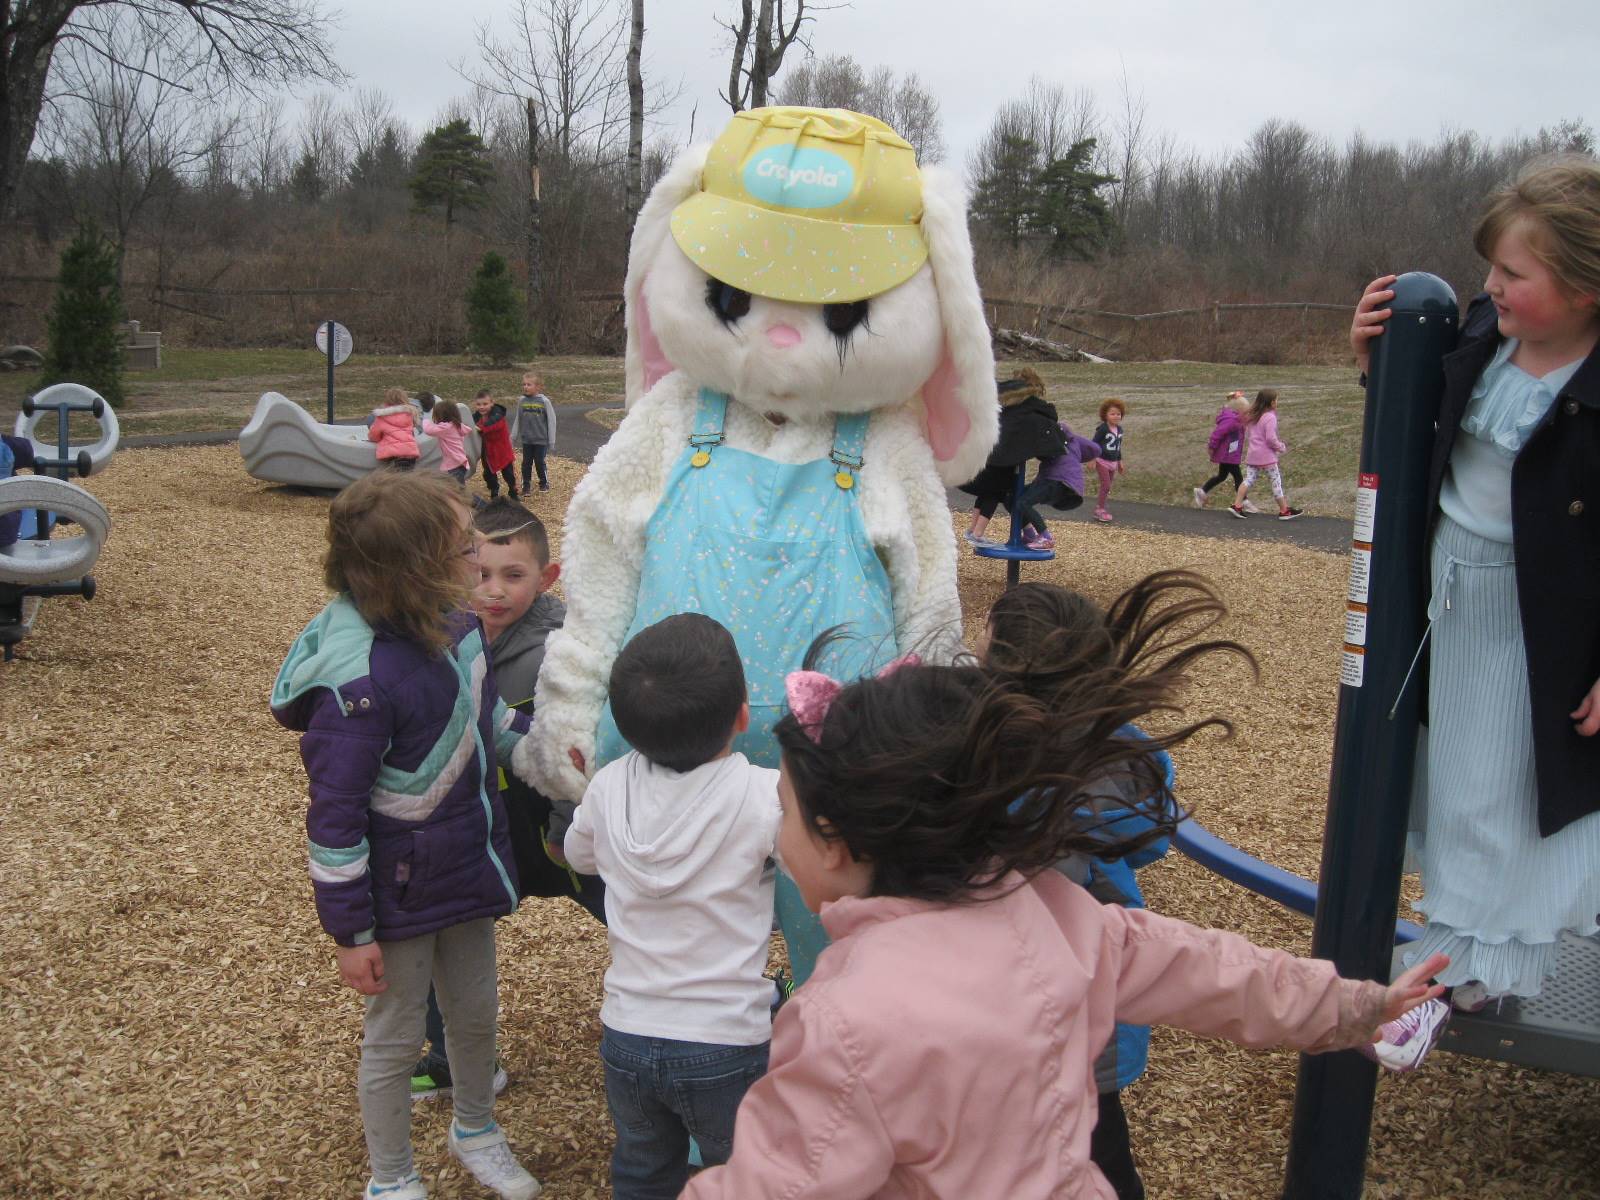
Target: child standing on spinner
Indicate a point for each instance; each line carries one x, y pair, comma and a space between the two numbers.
1108, 436
385, 685
682, 830
1510, 829
1226, 447
1263, 447
944, 1045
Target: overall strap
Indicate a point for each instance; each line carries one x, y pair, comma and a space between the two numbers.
849, 446
709, 414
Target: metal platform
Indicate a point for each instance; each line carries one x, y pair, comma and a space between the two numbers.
1558, 1030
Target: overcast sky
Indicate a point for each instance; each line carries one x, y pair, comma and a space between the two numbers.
1210, 71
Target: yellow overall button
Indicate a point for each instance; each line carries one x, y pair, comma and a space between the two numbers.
699, 458
845, 480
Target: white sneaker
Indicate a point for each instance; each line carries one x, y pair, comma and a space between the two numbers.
1407, 1039
489, 1159
1199, 497
409, 1188
1250, 508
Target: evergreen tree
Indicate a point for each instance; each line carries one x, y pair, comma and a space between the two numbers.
1068, 206
453, 169
84, 345
1007, 193
495, 325
383, 165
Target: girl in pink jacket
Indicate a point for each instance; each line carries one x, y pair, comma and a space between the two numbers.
394, 428
1261, 454
945, 1045
443, 425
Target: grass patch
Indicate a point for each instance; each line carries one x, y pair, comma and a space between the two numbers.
1170, 405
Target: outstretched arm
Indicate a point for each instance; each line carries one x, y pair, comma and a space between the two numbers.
602, 553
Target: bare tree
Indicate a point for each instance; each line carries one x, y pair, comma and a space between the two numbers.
265, 146
129, 129
635, 181
230, 43
761, 37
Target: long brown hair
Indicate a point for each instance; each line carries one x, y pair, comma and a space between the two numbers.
395, 540
946, 778
1265, 399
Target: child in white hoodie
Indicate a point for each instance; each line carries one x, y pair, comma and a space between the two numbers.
682, 831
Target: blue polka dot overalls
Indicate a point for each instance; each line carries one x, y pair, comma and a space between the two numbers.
778, 553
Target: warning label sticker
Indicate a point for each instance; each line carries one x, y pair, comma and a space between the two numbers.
1360, 575
1355, 625
1352, 666
1366, 508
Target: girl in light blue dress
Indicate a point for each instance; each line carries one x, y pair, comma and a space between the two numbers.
1509, 838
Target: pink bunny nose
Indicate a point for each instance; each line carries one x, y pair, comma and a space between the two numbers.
783, 336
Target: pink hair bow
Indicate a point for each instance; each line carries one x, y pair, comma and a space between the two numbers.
811, 693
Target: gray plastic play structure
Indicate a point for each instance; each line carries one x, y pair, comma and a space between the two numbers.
38, 565
283, 444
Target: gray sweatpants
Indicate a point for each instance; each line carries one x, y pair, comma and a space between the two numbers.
459, 963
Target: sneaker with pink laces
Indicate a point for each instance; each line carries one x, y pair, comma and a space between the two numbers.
1407, 1039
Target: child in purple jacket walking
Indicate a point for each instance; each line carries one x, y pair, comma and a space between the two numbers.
391, 690
1227, 448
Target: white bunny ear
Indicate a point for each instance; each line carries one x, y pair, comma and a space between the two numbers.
644, 362
961, 409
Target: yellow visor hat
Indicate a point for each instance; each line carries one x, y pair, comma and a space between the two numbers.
810, 205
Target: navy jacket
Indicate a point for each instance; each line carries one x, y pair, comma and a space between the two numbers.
1555, 524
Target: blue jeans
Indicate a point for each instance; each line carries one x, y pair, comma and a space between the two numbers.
660, 1093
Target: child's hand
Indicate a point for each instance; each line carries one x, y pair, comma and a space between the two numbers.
554, 851
1412, 988
361, 967
1587, 714
575, 756
1121, 469
1368, 321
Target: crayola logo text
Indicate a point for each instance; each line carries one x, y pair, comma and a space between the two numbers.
799, 178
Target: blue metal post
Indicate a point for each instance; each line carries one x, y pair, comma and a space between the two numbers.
1374, 748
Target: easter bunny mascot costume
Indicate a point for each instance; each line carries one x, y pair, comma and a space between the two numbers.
808, 366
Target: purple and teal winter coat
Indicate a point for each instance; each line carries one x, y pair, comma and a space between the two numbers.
407, 829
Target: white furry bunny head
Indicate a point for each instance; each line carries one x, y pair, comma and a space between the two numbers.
922, 340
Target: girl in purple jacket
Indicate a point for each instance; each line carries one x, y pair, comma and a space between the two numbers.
1262, 448
1227, 448
1059, 484
391, 689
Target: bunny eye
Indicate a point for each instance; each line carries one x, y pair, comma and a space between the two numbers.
841, 319
726, 302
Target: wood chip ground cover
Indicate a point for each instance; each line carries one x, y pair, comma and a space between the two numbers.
171, 1024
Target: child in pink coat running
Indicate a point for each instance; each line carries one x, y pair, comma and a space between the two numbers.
1263, 447
945, 1045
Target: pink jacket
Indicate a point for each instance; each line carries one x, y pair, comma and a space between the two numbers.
948, 1050
448, 435
394, 430
1264, 445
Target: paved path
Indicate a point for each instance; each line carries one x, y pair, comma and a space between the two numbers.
580, 438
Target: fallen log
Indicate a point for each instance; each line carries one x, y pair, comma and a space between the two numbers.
1027, 343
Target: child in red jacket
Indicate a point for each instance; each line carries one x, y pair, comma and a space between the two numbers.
498, 457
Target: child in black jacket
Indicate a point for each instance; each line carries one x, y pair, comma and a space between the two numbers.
1028, 429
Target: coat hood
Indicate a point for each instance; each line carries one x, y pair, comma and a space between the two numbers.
331, 652
518, 652
671, 824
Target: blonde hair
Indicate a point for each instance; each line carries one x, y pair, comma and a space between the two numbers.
394, 541
1561, 196
396, 395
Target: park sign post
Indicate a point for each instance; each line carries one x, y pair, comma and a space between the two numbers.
334, 340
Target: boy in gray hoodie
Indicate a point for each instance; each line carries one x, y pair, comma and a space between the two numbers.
682, 830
